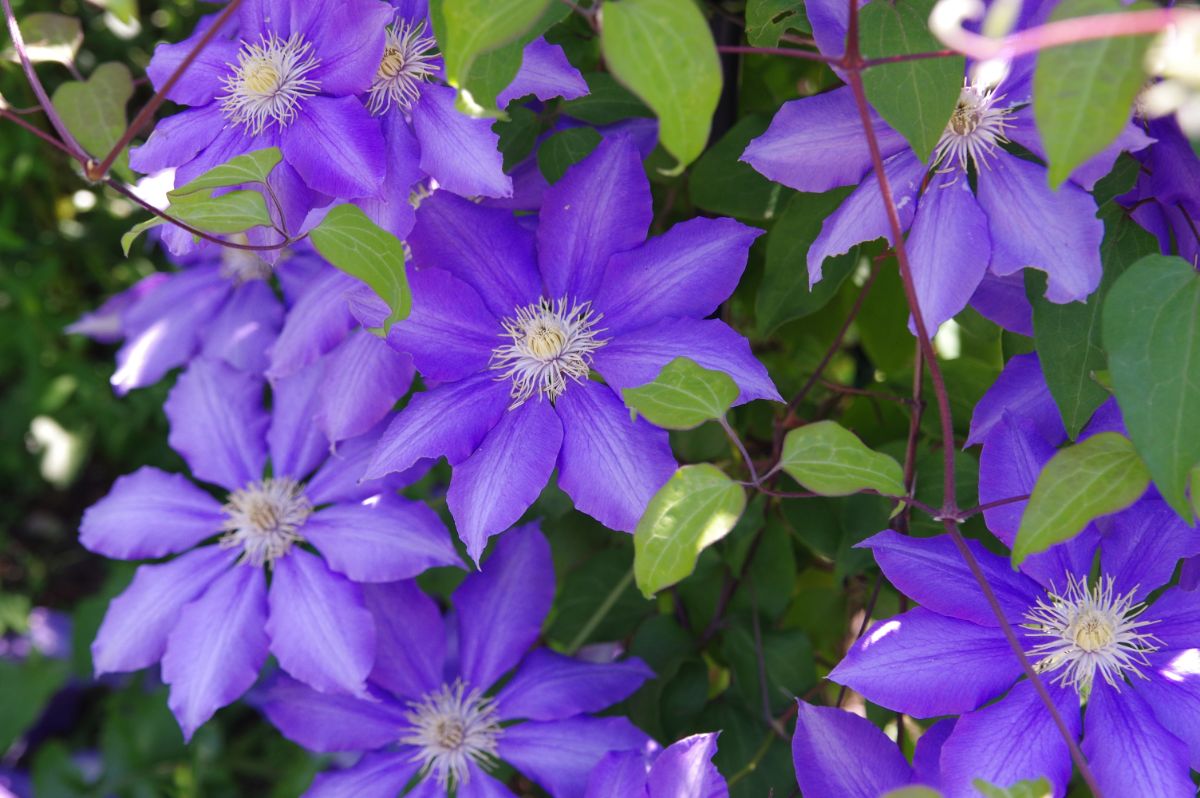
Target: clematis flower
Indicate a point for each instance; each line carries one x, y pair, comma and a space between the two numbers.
838, 754
306, 526
286, 74
1107, 642
435, 709
960, 237
1166, 197
511, 323
682, 770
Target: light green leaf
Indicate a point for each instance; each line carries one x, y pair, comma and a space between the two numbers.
253, 167
683, 396
696, 508
1152, 334
124, 10
768, 20
356, 245
49, 37
606, 102
915, 791
128, 238
563, 150
234, 212
94, 111
1022, 789
1099, 476
828, 459
721, 183
663, 51
915, 97
1082, 92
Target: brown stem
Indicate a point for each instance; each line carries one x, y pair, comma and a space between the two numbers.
807, 55
965, 514
897, 59
41, 134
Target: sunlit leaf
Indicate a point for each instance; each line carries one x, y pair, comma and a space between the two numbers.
829, 459
94, 111
356, 245
253, 167
49, 37
768, 20
683, 396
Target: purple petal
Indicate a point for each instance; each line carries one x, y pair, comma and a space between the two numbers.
320, 630
1143, 544
204, 78
1013, 740
621, 773
382, 774
218, 423
1131, 138
449, 421
636, 357
1056, 232
550, 686
501, 608
1131, 754
1177, 613
297, 444
1172, 689
901, 663
559, 755
381, 539
349, 39
545, 73
933, 573
340, 478
134, 631
363, 379
217, 647
685, 770
601, 206
316, 324
450, 333
177, 139
484, 247
323, 722
949, 248
862, 216
688, 271
479, 785
1002, 300
149, 514
106, 324
243, 332
610, 466
927, 768
337, 147
1020, 388
841, 755
460, 152
411, 639
494, 487
816, 143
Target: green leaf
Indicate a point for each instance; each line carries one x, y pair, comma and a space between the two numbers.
1099, 476
253, 167
784, 294
606, 102
49, 37
25, 687
768, 20
916, 791
94, 111
356, 245
1022, 789
234, 212
1082, 92
663, 51
683, 396
915, 97
124, 10
518, 136
721, 183
1152, 333
128, 238
696, 508
1068, 335
563, 150
828, 459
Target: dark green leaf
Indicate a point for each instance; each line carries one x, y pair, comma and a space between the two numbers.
683, 396
518, 136
913, 792
563, 150
768, 20
356, 245
720, 183
606, 102
828, 459
915, 97
1099, 476
253, 167
94, 111
1152, 334
664, 52
25, 687
1082, 92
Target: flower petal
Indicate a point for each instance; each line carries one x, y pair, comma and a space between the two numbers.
1172, 689
323, 722
1143, 544
1002, 300
320, 630
450, 333
411, 639
317, 322
838, 754
545, 73
297, 444
340, 478
177, 139
380, 774
204, 78
149, 514
494, 487
458, 151
349, 37
610, 466
337, 147
621, 773
1022, 389
685, 770
1130, 753
243, 331
560, 754
550, 686
217, 647
362, 381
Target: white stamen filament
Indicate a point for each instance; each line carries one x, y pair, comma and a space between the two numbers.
262, 520
407, 62
1090, 629
269, 82
452, 727
975, 131
551, 343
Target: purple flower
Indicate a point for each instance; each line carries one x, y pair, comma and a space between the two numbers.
683, 770
290, 77
208, 614
511, 323
1166, 198
840, 755
958, 236
433, 709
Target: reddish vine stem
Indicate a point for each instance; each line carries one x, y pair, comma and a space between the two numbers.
807, 55
41, 134
853, 63
898, 59
965, 514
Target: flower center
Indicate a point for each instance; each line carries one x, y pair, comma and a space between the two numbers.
975, 130
269, 82
407, 62
262, 519
551, 342
1090, 629
452, 727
